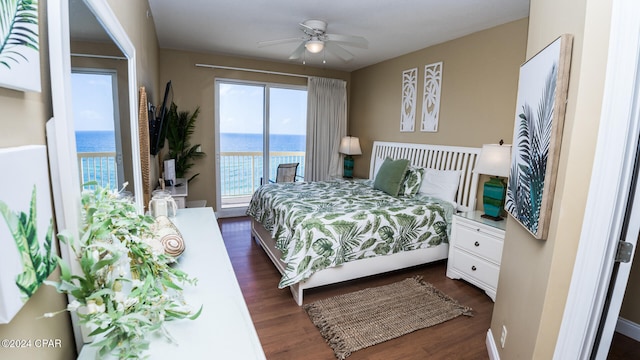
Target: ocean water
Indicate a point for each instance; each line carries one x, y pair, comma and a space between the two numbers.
253, 142
104, 141
95, 141
242, 175
242, 179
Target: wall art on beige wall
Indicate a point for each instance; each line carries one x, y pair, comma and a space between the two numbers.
19, 45
539, 118
409, 96
27, 251
431, 97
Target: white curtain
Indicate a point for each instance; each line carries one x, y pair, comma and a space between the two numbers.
326, 125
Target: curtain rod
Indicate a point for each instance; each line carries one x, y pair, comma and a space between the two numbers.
99, 56
251, 70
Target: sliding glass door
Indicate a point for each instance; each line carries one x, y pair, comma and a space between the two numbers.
97, 126
258, 127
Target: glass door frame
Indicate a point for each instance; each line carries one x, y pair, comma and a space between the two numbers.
241, 211
116, 114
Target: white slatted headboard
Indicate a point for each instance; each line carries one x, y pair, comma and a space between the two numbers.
438, 157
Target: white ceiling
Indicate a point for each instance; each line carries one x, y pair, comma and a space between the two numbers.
393, 28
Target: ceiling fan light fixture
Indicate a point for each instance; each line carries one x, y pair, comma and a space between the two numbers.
314, 46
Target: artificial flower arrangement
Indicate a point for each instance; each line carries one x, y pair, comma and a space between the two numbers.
127, 288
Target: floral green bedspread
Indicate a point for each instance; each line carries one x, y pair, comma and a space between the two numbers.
318, 225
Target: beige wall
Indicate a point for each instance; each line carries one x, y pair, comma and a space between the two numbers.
137, 21
479, 86
194, 86
23, 119
141, 30
535, 275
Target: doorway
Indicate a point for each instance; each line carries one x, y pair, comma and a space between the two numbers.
606, 207
258, 127
94, 96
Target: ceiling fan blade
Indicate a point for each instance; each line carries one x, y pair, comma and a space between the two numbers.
295, 55
279, 41
338, 51
313, 26
304, 26
351, 40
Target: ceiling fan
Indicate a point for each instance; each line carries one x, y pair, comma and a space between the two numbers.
316, 39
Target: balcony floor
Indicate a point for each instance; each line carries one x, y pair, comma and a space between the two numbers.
235, 201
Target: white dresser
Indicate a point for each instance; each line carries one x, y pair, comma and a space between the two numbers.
475, 250
224, 330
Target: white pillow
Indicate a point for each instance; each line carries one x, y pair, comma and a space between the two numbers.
377, 165
442, 184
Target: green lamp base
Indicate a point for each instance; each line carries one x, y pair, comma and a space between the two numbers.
493, 198
348, 167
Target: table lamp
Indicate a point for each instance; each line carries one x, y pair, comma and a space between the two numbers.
494, 160
350, 145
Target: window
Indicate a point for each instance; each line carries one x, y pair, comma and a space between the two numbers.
258, 127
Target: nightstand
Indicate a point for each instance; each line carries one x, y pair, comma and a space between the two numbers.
475, 250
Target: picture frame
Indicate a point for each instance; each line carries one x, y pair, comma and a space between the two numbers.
27, 242
409, 96
20, 47
539, 120
431, 97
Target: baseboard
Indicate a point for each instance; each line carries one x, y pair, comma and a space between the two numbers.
492, 349
628, 328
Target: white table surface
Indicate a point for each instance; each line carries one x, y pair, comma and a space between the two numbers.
177, 191
224, 330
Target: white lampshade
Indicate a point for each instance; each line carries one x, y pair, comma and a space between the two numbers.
495, 160
314, 45
350, 145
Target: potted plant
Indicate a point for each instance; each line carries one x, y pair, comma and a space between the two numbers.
125, 289
180, 127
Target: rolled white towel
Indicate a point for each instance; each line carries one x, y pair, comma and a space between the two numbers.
169, 236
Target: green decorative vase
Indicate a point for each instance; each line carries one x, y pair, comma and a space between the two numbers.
348, 167
493, 198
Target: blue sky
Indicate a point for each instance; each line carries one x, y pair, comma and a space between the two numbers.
241, 108
92, 96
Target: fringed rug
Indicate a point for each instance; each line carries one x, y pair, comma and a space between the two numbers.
367, 317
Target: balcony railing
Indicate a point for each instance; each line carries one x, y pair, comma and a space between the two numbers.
100, 167
241, 172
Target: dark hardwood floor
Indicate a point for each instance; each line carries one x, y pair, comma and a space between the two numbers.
623, 348
286, 332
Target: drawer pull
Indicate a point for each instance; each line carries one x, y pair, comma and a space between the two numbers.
477, 229
473, 268
476, 243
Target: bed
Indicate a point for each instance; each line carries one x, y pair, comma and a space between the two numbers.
321, 233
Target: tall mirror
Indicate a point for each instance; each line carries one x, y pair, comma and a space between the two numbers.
90, 51
100, 101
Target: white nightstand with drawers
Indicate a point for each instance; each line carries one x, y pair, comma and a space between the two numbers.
475, 250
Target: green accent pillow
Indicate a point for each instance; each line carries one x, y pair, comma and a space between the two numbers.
390, 176
412, 181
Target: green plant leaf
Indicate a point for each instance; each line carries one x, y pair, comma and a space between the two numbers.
17, 19
180, 127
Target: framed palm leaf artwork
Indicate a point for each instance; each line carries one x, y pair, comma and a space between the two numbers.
539, 118
19, 45
27, 247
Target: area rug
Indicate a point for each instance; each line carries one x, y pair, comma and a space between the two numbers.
367, 317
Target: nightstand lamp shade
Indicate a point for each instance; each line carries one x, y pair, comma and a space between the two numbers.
494, 160
350, 145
